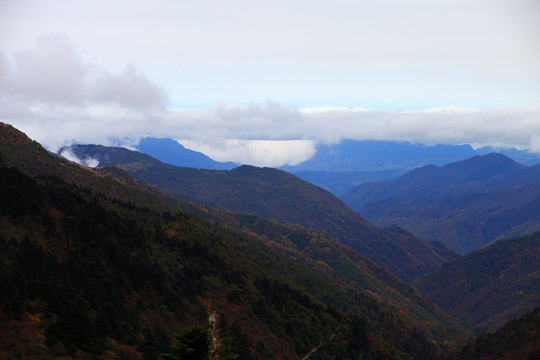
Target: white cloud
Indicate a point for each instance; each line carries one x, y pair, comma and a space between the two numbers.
88, 161
49, 71
271, 153
57, 98
383, 54
87, 103
130, 89
534, 144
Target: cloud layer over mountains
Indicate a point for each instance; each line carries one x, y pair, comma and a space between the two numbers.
56, 97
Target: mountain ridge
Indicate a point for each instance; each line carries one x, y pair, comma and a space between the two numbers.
473, 174
466, 204
172, 152
339, 167
276, 195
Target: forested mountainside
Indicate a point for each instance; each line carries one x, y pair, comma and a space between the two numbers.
279, 196
465, 205
519, 339
87, 268
489, 286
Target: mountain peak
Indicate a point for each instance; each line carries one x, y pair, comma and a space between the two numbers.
172, 152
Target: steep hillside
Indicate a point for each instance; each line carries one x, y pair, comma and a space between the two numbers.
519, 339
277, 195
489, 286
478, 173
81, 277
17, 150
85, 271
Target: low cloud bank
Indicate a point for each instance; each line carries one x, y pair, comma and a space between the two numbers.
50, 93
87, 161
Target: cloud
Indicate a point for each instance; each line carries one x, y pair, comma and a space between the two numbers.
52, 94
130, 89
270, 153
534, 144
88, 161
50, 71
49, 92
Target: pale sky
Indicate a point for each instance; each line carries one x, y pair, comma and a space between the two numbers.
238, 78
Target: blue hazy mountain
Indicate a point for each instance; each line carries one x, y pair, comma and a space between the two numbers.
374, 155
465, 205
171, 152
339, 167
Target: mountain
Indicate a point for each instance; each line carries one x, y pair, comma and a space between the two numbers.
465, 205
467, 222
171, 152
489, 286
519, 339
373, 155
88, 270
377, 155
339, 167
478, 173
276, 195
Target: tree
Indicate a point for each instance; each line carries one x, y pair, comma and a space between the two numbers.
192, 345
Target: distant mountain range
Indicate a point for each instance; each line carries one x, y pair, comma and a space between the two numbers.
339, 167
465, 205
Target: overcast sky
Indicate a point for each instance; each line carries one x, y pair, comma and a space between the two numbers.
263, 82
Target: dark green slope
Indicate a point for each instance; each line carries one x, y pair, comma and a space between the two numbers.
341, 265
489, 286
95, 279
83, 269
17, 150
81, 276
519, 339
279, 196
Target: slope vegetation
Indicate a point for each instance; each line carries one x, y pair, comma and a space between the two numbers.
279, 196
518, 339
87, 269
488, 287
